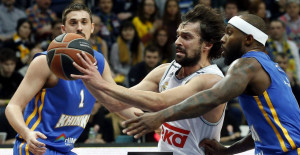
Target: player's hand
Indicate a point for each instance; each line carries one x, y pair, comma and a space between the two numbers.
90, 72
145, 123
34, 146
212, 147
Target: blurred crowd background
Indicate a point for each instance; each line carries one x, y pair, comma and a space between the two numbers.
135, 36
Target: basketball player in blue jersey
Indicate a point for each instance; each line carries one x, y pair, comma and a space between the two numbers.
49, 113
264, 91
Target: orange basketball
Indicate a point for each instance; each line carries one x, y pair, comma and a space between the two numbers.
62, 51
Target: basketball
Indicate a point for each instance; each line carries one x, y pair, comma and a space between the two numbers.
62, 51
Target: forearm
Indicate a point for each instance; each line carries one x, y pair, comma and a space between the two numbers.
129, 113
15, 117
110, 103
145, 100
243, 145
193, 106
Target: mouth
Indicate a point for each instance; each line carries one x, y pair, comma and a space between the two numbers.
81, 34
180, 51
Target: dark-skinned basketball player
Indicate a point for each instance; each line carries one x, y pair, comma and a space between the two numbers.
55, 110
264, 91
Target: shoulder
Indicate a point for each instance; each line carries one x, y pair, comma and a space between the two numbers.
244, 66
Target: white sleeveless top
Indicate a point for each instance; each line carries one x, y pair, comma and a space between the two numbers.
183, 137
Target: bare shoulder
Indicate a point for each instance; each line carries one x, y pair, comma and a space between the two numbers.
39, 69
244, 66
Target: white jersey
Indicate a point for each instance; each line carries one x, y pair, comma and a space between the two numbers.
182, 137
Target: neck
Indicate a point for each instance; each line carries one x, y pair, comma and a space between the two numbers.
256, 48
186, 71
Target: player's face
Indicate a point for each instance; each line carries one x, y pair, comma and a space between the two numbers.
78, 22
152, 59
188, 46
232, 44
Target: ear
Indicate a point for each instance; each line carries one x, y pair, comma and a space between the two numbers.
62, 27
249, 40
92, 29
207, 46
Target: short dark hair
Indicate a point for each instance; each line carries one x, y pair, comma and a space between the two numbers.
280, 21
21, 21
151, 48
7, 54
75, 7
212, 27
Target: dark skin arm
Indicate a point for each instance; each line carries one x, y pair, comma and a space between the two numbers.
213, 147
240, 74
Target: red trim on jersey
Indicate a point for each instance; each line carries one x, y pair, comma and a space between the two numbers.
176, 129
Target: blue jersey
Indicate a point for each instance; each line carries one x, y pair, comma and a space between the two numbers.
274, 116
61, 112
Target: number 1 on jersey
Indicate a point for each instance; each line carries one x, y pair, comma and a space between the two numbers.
81, 98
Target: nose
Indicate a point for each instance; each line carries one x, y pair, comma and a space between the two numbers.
79, 28
223, 39
177, 41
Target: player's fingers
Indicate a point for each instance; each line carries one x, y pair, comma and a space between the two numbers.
143, 132
36, 150
204, 142
128, 122
138, 114
86, 58
37, 143
208, 150
136, 130
131, 128
81, 69
41, 135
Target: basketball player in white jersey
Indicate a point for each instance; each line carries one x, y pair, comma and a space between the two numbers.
197, 44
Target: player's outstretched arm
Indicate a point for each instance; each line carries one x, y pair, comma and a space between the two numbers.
148, 100
233, 84
34, 80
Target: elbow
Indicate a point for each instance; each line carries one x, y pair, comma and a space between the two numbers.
7, 110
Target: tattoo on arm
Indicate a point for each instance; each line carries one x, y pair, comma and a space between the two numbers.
234, 84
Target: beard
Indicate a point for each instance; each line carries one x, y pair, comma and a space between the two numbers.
235, 52
186, 61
